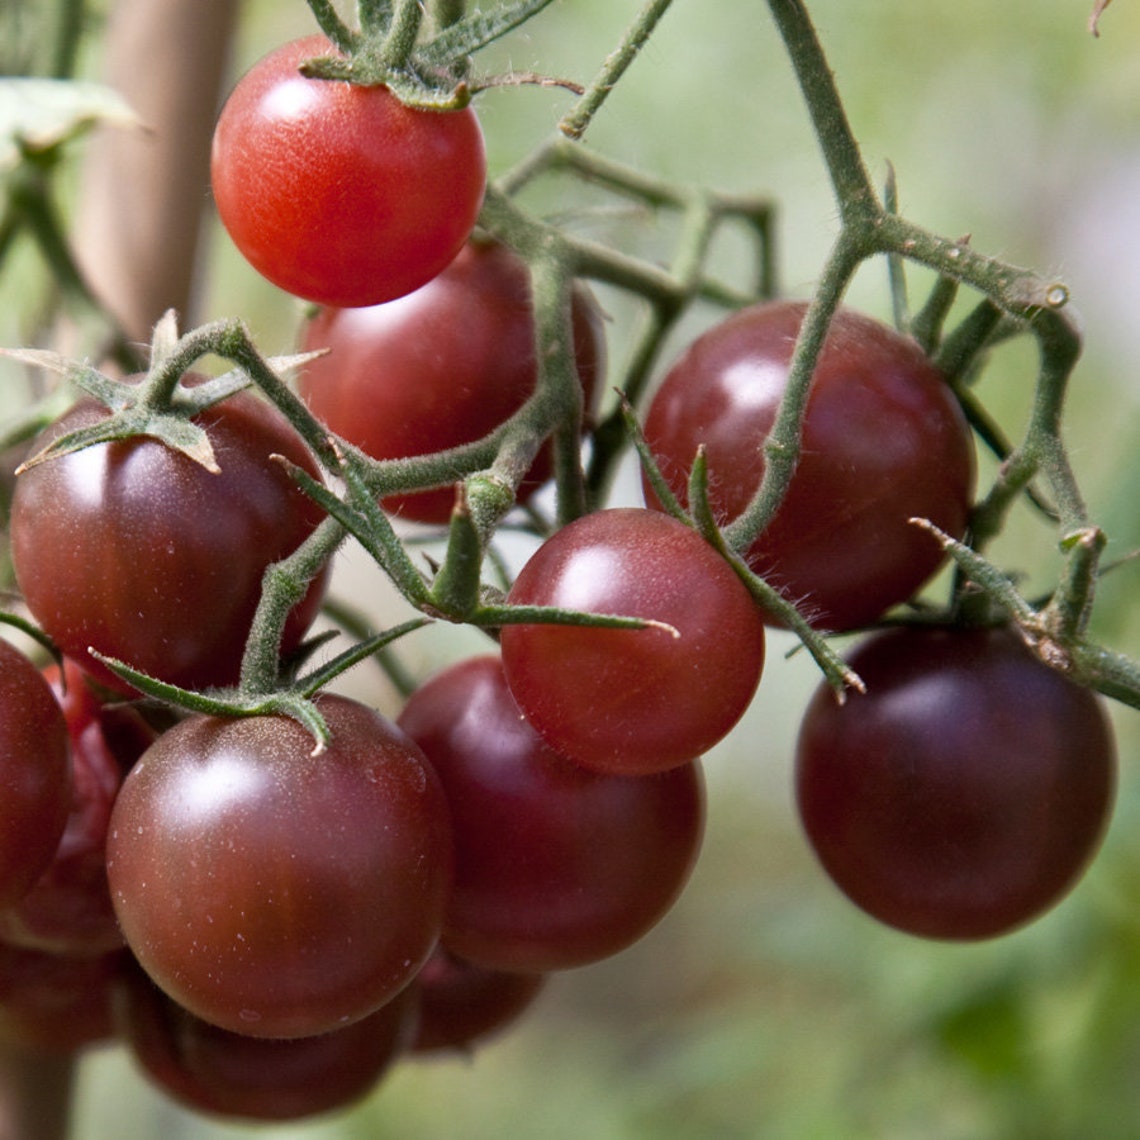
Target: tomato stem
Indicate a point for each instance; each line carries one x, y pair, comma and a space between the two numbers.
575, 122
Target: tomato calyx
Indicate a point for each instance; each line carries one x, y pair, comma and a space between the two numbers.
295, 700
428, 74
161, 404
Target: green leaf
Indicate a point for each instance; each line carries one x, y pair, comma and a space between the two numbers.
39, 114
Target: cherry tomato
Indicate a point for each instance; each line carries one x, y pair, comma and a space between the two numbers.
884, 441
555, 866
68, 909
964, 794
214, 1071
276, 893
461, 1004
439, 368
339, 193
633, 701
139, 552
35, 786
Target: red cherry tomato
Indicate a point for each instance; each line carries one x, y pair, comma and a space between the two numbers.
884, 441
339, 193
965, 793
633, 701
276, 893
439, 368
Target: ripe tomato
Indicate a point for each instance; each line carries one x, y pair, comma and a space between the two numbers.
555, 866
633, 701
68, 908
339, 193
964, 794
35, 784
441, 367
884, 441
272, 892
460, 1004
226, 1074
139, 552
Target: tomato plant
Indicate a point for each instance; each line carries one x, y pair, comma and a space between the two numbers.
139, 552
555, 866
35, 785
272, 892
965, 793
339, 193
300, 880
644, 700
884, 441
440, 367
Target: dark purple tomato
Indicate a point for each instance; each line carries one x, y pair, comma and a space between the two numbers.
555, 866
139, 552
441, 367
965, 793
35, 784
884, 441
213, 1071
276, 893
337, 192
633, 701
461, 1004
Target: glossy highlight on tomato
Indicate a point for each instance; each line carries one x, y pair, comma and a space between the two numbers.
633, 701
135, 550
555, 866
440, 367
277, 893
884, 441
338, 193
965, 792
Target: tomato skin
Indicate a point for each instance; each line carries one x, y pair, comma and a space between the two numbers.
339, 193
884, 441
139, 552
965, 793
633, 701
35, 783
555, 866
223, 1074
272, 892
441, 367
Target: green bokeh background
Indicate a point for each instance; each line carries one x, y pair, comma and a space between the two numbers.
765, 1005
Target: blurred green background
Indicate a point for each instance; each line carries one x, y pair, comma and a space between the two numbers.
765, 1005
